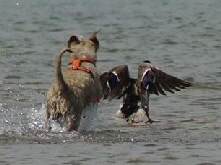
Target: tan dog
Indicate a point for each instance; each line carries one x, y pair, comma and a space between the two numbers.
78, 86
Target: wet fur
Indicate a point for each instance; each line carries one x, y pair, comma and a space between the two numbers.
73, 90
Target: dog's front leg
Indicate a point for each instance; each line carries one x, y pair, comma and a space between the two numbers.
72, 123
47, 118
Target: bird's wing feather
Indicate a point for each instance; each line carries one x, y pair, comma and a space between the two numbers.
115, 82
156, 81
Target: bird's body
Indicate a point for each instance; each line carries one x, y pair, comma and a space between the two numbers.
136, 92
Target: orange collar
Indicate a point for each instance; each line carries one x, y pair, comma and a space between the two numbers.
76, 64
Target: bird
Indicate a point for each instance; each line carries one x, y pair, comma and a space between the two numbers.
136, 92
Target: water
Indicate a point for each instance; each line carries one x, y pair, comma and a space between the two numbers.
181, 37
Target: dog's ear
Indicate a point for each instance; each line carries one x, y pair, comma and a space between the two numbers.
73, 40
94, 39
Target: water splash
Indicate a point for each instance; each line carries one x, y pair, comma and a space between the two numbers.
36, 118
89, 118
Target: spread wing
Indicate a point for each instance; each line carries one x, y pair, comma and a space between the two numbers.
115, 82
156, 81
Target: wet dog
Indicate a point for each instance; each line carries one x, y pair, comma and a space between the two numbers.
78, 86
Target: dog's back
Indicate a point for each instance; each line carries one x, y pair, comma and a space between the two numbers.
78, 86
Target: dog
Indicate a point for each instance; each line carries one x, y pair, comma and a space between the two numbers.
117, 83
78, 86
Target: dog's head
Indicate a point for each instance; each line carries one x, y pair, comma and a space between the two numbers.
84, 48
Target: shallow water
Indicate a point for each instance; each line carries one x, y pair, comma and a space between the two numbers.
181, 37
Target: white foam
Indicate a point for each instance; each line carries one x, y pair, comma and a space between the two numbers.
139, 116
119, 113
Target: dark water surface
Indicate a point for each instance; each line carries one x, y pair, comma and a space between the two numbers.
181, 37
